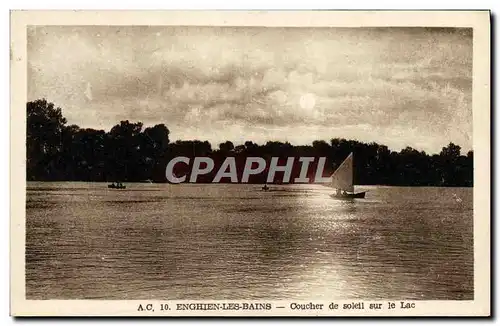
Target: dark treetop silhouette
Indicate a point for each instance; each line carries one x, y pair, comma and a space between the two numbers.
58, 152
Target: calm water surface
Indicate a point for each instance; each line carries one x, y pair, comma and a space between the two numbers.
159, 241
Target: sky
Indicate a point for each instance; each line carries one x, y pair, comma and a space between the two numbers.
394, 86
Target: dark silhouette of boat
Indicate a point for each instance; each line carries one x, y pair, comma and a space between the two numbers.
117, 185
346, 195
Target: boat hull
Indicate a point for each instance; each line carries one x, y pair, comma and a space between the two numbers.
116, 187
358, 195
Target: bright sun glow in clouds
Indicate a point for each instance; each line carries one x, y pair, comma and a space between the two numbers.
307, 101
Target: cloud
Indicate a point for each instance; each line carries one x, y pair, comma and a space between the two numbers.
366, 83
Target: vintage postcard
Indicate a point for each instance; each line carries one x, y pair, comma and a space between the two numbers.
220, 163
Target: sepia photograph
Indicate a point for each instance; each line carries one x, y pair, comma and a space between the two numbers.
259, 166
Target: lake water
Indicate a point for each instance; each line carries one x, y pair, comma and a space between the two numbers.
160, 241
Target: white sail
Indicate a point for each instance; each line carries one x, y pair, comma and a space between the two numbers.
342, 178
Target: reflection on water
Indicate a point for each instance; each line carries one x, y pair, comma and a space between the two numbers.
158, 241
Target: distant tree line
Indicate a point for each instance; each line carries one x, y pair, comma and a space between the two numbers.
129, 153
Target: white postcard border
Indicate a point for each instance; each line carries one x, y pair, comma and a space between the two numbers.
478, 20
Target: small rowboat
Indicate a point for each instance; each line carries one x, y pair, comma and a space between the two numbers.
117, 186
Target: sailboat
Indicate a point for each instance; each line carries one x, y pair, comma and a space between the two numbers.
343, 180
